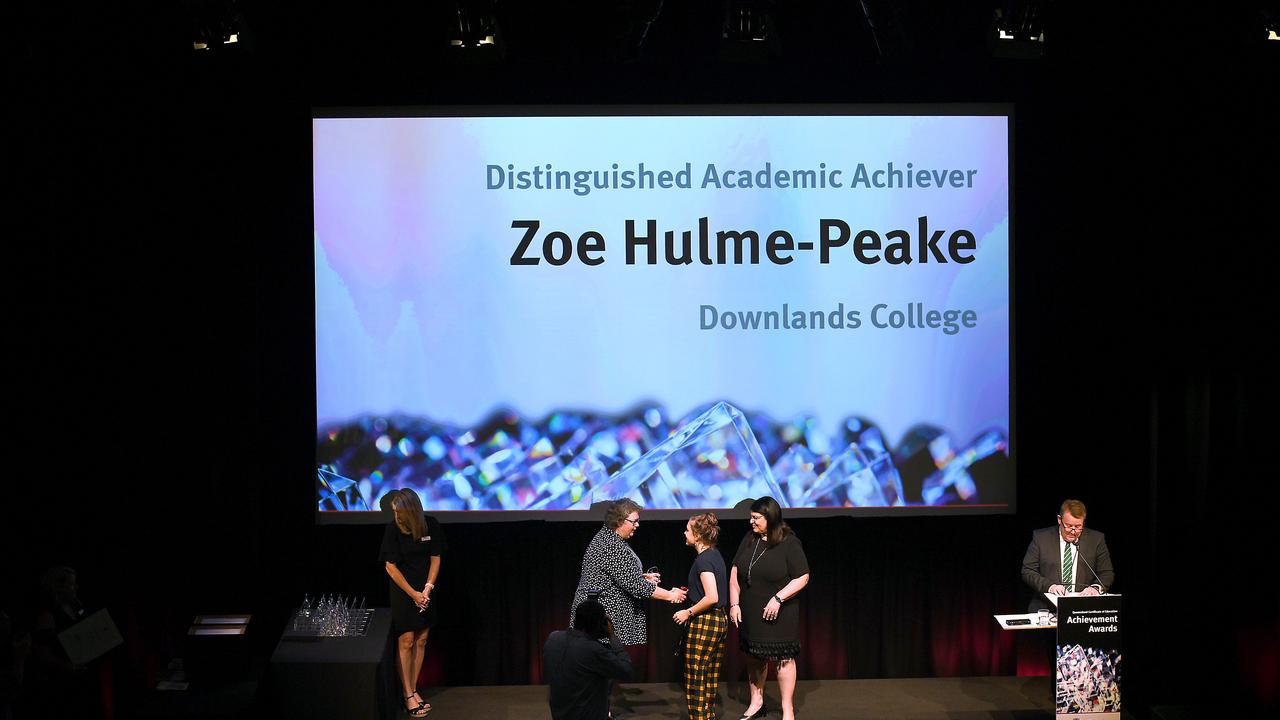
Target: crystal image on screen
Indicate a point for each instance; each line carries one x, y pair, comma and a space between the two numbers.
714, 457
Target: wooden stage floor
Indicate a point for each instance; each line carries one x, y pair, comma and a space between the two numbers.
994, 698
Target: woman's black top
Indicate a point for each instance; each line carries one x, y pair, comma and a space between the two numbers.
762, 572
412, 557
709, 560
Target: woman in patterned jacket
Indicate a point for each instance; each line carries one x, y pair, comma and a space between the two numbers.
612, 567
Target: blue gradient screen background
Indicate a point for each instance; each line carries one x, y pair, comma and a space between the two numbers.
420, 313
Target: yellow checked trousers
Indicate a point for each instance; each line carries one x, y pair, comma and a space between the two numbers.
702, 653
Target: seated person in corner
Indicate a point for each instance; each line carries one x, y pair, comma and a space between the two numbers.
581, 664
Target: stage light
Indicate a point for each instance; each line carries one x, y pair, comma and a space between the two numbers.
747, 32
1266, 18
747, 21
215, 23
1268, 11
472, 34
1018, 30
474, 25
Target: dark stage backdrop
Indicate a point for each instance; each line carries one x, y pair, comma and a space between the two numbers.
886, 598
162, 403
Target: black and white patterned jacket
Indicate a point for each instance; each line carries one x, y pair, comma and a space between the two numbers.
612, 567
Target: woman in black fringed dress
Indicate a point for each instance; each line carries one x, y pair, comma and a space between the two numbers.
769, 570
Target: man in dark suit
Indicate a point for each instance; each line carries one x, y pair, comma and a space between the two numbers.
1066, 559
581, 664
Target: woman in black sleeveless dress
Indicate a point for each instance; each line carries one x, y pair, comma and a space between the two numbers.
769, 570
412, 546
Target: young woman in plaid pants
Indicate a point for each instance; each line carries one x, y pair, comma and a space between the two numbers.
707, 623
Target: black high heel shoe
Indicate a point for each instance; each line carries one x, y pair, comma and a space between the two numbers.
420, 711
757, 714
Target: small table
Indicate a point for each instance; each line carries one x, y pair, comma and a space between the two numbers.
335, 677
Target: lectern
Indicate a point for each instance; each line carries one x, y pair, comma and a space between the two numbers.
1087, 666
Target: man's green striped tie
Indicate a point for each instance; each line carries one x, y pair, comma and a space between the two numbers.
1067, 566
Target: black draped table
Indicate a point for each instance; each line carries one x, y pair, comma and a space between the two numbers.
336, 677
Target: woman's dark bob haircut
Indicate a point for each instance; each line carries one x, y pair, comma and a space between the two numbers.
777, 530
